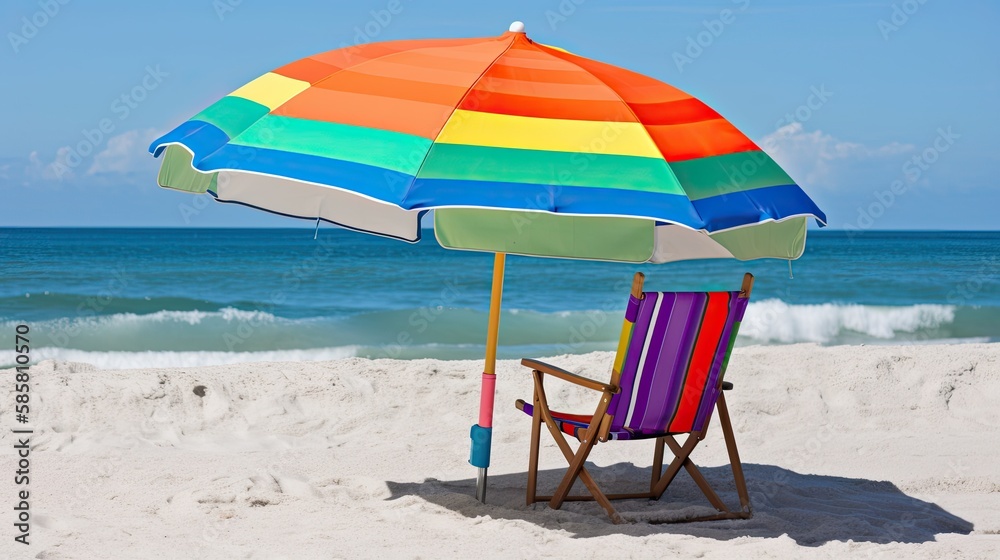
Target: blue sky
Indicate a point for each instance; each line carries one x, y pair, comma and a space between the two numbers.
854, 98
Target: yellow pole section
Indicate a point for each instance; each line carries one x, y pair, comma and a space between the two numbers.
494, 327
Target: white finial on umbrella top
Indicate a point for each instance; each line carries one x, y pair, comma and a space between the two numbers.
517, 27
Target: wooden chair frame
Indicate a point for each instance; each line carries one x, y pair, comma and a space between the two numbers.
598, 431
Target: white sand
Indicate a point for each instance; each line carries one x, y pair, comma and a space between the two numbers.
890, 451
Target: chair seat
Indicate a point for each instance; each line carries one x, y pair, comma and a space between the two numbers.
576, 424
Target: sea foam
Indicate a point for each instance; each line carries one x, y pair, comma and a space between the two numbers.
773, 320
229, 335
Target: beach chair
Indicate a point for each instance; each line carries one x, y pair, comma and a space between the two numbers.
666, 381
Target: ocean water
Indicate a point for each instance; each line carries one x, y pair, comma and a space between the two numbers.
182, 297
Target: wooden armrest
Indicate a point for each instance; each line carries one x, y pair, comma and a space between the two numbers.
568, 376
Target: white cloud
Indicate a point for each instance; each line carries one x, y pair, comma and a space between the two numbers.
817, 158
59, 169
106, 162
124, 153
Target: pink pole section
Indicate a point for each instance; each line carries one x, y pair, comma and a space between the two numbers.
492, 337
486, 400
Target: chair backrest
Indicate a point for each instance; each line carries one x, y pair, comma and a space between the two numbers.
675, 346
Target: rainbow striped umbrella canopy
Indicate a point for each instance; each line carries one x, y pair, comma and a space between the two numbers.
518, 146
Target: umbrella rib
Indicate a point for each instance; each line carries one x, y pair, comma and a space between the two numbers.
452, 114
566, 56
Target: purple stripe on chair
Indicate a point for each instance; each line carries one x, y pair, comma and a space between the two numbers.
620, 402
632, 310
678, 378
675, 349
740, 307
646, 372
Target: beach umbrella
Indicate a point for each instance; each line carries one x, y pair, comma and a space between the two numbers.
518, 147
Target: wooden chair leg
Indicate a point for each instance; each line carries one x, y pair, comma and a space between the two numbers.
583, 474
575, 465
698, 478
675, 465
734, 455
682, 458
657, 463
567, 451
536, 433
659, 482
746, 510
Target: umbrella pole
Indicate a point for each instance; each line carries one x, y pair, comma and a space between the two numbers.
482, 433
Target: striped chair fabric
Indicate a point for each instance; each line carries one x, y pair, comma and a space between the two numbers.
672, 364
